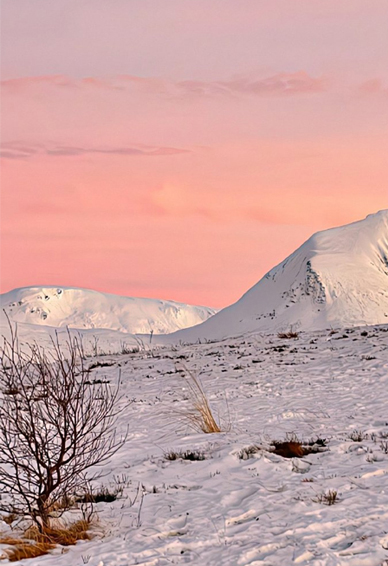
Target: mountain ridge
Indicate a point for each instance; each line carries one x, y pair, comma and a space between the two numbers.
75, 307
336, 278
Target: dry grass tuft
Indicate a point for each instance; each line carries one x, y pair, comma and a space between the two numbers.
191, 455
25, 550
10, 540
65, 536
328, 498
33, 543
62, 504
288, 335
9, 518
200, 416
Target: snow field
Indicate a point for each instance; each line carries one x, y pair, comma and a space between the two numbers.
223, 510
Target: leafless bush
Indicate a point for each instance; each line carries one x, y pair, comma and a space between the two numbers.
54, 427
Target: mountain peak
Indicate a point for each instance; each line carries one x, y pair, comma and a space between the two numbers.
337, 278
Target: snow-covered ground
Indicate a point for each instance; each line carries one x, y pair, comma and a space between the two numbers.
265, 510
62, 307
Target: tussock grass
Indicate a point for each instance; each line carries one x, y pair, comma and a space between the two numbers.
328, 498
191, 455
288, 335
358, 435
103, 494
34, 543
199, 416
25, 550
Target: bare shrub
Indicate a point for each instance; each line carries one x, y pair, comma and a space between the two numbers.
53, 428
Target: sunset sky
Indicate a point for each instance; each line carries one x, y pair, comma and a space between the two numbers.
179, 149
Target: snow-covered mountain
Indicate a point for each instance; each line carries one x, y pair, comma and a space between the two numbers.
337, 278
85, 309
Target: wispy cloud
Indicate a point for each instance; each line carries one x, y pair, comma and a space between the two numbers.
373, 86
279, 84
14, 150
23, 83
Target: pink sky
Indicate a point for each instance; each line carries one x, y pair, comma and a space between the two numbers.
180, 150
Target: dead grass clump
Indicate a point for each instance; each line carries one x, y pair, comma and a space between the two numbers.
191, 455
9, 518
102, 495
358, 435
328, 498
65, 536
34, 543
292, 447
25, 550
384, 447
11, 541
62, 504
200, 416
288, 449
288, 335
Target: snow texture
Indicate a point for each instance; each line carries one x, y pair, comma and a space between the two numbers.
264, 510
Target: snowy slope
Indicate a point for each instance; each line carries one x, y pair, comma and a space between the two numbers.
263, 510
85, 309
337, 278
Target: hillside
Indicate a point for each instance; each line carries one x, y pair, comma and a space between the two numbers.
85, 309
337, 278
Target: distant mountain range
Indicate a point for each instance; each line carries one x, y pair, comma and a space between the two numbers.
337, 278
86, 309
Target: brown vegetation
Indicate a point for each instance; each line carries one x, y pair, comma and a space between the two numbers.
199, 416
35, 542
